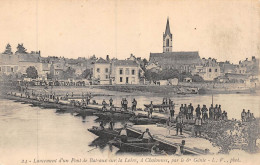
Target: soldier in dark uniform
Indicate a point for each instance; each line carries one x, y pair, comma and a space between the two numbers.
198, 112
134, 103
110, 102
204, 112
179, 124
216, 112
186, 111
211, 111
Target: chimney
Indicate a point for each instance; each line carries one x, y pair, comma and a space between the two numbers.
107, 58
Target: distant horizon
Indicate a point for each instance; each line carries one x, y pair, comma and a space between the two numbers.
224, 30
111, 57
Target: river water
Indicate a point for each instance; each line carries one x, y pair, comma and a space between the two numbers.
31, 132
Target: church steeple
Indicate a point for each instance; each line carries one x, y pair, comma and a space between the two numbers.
167, 29
167, 38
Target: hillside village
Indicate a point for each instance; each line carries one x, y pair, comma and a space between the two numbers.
166, 68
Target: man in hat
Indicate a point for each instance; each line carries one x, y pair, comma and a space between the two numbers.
179, 124
190, 111
134, 103
216, 112
181, 109
198, 112
243, 115
204, 112
172, 107
197, 126
110, 102
186, 111
211, 112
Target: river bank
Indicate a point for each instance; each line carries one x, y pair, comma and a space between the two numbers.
218, 132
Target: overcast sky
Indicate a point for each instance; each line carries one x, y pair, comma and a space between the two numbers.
226, 29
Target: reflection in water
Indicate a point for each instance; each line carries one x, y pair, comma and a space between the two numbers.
233, 104
99, 142
47, 134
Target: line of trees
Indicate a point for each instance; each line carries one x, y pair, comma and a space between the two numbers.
170, 74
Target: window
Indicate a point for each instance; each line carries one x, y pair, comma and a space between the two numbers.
133, 79
167, 42
127, 71
216, 70
120, 71
133, 72
106, 70
98, 77
0, 69
209, 70
98, 70
121, 79
106, 76
12, 69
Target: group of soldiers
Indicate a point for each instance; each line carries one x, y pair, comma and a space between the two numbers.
247, 116
124, 104
213, 113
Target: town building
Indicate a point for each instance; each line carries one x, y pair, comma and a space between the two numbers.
208, 70
101, 72
125, 72
18, 62
248, 67
153, 67
227, 67
182, 61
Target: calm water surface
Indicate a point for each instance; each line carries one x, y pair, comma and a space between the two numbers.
31, 132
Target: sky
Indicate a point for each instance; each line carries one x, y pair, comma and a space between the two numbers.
221, 29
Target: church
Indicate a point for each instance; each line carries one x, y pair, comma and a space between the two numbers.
182, 61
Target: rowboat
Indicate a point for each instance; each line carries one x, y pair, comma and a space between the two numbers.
145, 120
132, 145
104, 133
115, 115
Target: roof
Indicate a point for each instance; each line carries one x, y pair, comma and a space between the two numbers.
167, 29
101, 61
125, 63
29, 57
234, 75
176, 57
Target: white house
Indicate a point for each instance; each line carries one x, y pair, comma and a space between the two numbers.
209, 70
125, 72
101, 71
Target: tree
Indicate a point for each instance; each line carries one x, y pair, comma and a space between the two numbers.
69, 73
49, 76
21, 49
8, 49
86, 73
31, 72
143, 64
197, 78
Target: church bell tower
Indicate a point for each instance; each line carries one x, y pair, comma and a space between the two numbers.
167, 38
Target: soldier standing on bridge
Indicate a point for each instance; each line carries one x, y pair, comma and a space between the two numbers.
134, 103
211, 112
110, 102
179, 125
198, 112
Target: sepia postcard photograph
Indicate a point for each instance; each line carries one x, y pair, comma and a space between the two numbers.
156, 82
